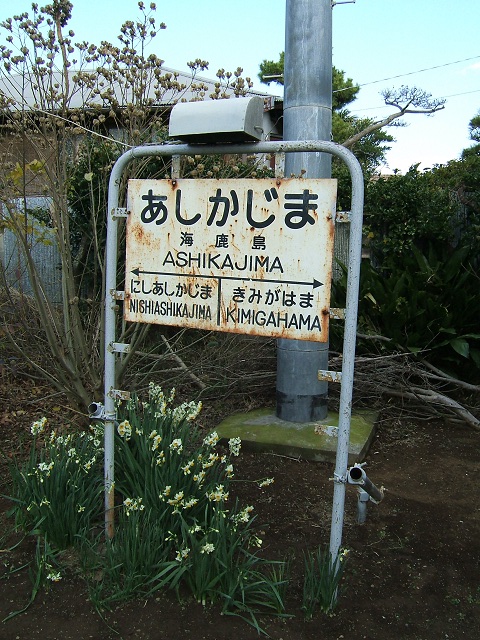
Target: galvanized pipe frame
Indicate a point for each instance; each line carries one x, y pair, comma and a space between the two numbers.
351, 311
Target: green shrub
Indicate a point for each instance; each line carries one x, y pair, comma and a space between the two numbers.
406, 211
425, 303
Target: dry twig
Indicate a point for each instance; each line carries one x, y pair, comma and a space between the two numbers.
419, 385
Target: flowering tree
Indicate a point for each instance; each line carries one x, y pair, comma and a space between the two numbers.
67, 111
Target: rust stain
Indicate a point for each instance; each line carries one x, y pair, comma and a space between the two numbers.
223, 313
138, 232
261, 272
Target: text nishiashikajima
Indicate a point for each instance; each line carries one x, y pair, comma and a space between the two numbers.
245, 256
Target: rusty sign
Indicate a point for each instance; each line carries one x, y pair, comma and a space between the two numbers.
245, 256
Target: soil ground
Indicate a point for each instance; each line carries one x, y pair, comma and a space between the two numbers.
413, 570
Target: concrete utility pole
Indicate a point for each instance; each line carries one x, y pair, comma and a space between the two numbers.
307, 116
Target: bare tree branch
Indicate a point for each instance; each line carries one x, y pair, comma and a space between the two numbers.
196, 380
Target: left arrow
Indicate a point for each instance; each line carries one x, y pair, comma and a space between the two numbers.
312, 283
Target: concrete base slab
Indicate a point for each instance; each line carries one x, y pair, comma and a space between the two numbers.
261, 430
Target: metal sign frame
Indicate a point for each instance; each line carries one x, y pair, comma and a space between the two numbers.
114, 215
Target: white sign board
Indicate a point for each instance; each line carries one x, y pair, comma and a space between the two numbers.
244, 255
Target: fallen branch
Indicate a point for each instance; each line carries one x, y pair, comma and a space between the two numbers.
423, 388
437, 400
434, 398
367, 336
441, 375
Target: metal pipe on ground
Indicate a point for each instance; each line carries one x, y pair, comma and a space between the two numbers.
363, 500
356, 475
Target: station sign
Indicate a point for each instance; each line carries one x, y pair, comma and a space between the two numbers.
251, 256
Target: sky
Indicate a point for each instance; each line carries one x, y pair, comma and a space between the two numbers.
380, 44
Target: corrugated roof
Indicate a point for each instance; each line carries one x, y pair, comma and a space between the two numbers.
23, 89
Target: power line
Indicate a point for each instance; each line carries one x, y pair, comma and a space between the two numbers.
384, 106
464, 93
410, 73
